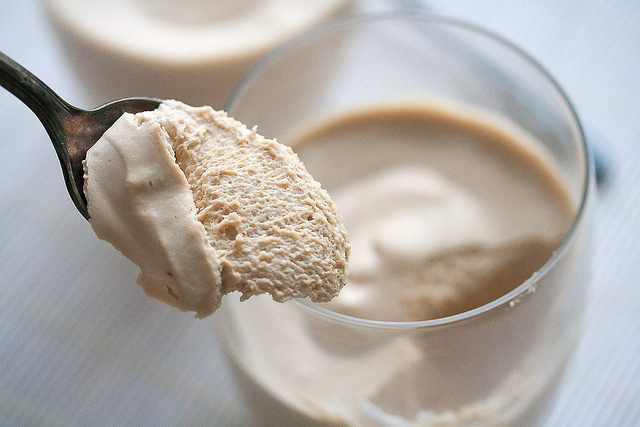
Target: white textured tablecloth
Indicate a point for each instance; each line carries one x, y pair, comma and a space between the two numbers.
81, 345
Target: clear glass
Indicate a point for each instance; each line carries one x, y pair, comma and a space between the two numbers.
498, 364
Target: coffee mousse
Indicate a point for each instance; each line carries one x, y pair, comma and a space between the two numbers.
445, 212
446, 209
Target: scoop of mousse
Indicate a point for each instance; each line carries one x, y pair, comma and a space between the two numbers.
205, 206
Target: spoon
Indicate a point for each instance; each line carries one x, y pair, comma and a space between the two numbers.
72, 130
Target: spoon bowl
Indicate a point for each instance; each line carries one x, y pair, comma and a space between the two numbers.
72, 130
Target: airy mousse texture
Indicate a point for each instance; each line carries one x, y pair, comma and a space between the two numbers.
205, 206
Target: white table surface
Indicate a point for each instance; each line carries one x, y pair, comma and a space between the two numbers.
80, 345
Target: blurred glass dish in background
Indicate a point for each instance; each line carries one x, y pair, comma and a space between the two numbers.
194, 51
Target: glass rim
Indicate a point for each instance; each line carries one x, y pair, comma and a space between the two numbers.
430, 18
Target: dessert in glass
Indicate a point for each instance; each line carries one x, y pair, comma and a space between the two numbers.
462, 176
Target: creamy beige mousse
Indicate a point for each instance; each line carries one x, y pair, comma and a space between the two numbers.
448, 208
205, 206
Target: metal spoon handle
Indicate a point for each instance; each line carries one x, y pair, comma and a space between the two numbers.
52, 111
39, 97
72, 130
